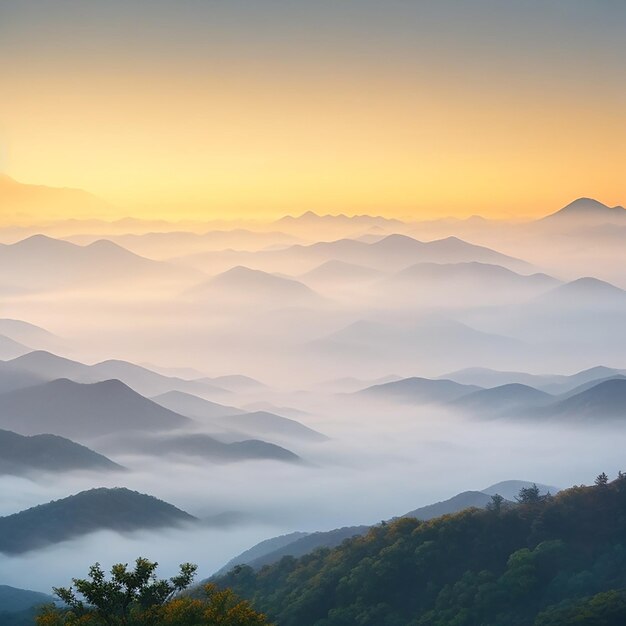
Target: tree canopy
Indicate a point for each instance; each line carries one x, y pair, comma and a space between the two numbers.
136, 597
546, 561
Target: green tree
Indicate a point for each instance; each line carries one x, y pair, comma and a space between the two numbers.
495, 504
136, 597
529, 495
602, 480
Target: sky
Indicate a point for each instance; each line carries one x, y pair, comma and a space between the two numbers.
253, 109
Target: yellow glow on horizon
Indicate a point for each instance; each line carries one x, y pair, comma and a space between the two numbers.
236, 147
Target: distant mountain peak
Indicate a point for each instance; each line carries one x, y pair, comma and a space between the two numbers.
589, 208
39, 240
590, 284
585, 204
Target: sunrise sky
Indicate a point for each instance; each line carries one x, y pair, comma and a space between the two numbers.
208, 108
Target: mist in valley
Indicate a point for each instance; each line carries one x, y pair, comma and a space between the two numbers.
303, 375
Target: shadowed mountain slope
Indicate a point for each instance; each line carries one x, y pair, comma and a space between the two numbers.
70, 409
115, 509
419, 390
47, 453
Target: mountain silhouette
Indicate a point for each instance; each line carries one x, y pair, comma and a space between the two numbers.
116, 509
47, 453
20, 199
192, 406
604, 400
264, 424
502, 400
29, 334
202, 446
340, 271
583, 293
11, 349
418, 390
13, 600
588, 210
64, 407
242, 284
48, 366
457, 503
41, 263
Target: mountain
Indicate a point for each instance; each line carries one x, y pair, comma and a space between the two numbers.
388, 254
588, 385
434, 339
245, 285
418, 390
48, 453
13, 600
260, 550
485, 377
237, 383
11, 379
597, 373
503, 400
47, 366
585, 293
548, 562
10, 349
326, 226
334, 271
193, 407
147, 382
293, 545
298, 544
465, 283
41, 263
77, 410
588, 210
164, 245
202, 446
23, 202
447, 250
310, 217
550, 383
604, 400
509, 489
460, 502
264, 424
349, 384
117, 509
400, 251
29, 334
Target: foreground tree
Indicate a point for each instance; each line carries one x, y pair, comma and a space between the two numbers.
136, 597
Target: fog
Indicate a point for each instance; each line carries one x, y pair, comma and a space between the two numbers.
315, 325
378, 465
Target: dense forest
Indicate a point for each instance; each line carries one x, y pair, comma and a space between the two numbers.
545, 561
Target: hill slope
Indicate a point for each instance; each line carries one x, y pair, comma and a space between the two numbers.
48, 366
464, 500
416, 390
604, 400
41, 263
266, 424
116, 509
587, 210
521, 565
71, 409
21, 455
202, 446
13, 600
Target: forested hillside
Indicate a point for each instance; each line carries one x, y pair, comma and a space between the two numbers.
547, 561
